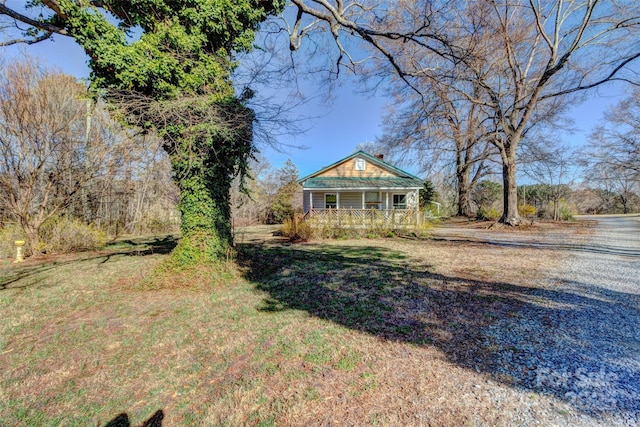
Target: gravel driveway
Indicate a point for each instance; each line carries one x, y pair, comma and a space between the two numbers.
578, 337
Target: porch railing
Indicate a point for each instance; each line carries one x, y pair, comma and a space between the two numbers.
366, 218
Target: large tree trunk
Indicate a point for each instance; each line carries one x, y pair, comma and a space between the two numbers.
510, 214
464, 194
625, 204
204, 166
462, 177
556, 207
32, 234
205, 215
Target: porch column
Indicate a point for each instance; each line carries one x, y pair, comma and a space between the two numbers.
417, 207
387, 203
310, 200
364, 206
337, 200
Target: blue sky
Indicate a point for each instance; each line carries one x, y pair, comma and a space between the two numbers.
340, 125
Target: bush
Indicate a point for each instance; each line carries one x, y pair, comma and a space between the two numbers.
62, 235
296, 229
527, 210
8, 235
491, 214
566, 213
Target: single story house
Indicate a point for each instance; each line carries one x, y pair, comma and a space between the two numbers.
362, 190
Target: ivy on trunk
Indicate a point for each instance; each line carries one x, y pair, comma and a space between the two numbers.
167, 66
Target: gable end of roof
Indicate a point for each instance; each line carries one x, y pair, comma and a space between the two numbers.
373, 159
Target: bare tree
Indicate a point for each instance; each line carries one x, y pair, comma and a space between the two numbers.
137, 196
611, 160
551, 165
250, 201
615, 144
618, 190
523, 60
48, 152
440, 131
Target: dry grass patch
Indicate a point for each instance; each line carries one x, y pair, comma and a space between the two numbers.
359, 332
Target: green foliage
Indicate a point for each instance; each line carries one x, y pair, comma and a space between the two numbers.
282, 204
175, 79
486, 193
567, 215
185, 47
428, 194
566, 212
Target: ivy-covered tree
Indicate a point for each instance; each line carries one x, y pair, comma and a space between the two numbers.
166, 64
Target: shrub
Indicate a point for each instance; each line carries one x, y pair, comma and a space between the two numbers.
491, 214
527, 210
566, 213
296, 228
62, 235
8, 235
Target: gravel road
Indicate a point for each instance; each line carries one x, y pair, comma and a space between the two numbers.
578, 338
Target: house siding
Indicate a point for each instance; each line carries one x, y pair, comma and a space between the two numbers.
348, 169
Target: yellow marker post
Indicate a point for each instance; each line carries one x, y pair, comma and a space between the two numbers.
19, 244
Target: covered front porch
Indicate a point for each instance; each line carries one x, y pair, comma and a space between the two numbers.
390, 209
364, 199
388, 219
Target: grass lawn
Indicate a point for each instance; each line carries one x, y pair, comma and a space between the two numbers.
354, 332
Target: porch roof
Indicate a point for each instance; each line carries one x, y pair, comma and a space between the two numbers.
358, 183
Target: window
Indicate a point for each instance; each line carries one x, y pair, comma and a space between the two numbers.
330, 201
360, 164
399, 201
372, 200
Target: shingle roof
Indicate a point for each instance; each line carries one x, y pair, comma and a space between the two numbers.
360, 183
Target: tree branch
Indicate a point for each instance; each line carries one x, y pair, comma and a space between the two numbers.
45, 26
26, 41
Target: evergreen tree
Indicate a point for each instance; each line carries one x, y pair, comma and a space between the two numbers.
428, 194
282, 205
